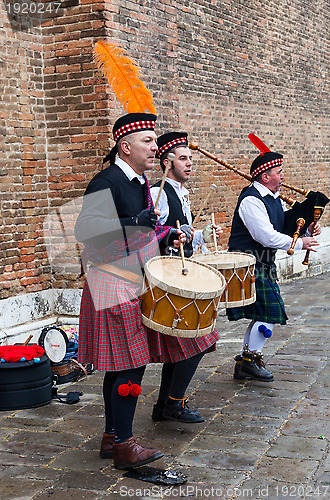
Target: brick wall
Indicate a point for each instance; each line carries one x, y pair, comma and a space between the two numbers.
77, 120
23, 171
218, 70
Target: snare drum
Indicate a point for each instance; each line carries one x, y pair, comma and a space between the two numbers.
238, 271
181, 305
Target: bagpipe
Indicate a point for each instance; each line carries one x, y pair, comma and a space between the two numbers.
301, 214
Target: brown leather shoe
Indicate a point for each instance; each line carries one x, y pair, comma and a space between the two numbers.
108, 440
130, 454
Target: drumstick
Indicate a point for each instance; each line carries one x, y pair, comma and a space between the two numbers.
184, 269
214, 235
28, 340
213, 187
170, 157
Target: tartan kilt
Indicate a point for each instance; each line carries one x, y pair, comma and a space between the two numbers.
269, 305
111, 333
169, 349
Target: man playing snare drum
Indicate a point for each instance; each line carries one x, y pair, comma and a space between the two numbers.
119, 229
174, 205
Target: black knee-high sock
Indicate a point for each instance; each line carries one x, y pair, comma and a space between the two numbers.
165, 384
123, 407
183, 373
108, 381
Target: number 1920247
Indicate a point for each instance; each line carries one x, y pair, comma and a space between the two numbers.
32, 7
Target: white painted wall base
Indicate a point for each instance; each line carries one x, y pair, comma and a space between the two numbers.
20, 333
291, 267
28, 314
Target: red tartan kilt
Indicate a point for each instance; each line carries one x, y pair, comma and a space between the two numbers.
111, 333
168, 349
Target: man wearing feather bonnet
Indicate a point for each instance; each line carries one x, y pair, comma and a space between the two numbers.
118, 227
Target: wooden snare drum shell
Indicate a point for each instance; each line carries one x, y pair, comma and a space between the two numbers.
171, 307
238, 271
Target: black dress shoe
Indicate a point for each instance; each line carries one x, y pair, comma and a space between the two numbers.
252, 366
238, 364
157, 413
178, 410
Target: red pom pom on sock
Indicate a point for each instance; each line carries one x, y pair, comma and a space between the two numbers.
132, 389
123, 390
135, 390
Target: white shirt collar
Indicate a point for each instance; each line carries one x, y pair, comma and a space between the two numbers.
128, 171
178, 187
263, 190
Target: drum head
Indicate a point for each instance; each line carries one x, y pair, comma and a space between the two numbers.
226, 260
201, 281
54, 340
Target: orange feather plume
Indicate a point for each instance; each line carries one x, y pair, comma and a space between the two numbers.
123, 75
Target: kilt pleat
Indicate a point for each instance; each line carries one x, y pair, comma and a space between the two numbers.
268, 307
111, 333
168, 349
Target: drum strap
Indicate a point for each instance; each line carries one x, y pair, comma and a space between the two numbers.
123, 273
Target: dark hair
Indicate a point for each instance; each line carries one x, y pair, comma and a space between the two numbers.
162, 166
258, 177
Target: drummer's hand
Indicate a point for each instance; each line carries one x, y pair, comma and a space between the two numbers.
309, 243
218, 230
188, 230
314, 230
182, 238
148, 217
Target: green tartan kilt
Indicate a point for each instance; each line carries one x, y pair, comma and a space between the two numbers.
269, 306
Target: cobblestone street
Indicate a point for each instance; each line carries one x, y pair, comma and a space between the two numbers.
258, 440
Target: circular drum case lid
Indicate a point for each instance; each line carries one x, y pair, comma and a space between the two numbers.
54, 340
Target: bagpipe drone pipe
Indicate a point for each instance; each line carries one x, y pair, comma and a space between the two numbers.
315, 202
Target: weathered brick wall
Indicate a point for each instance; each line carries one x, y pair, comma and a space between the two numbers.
23, 172
218, 70
77, 119
240, 67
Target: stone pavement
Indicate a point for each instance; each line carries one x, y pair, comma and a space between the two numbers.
258, 440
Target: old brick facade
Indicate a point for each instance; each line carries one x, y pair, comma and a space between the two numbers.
217, 69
